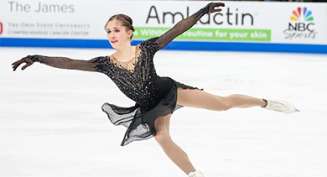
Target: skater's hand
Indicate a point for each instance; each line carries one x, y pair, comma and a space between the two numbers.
214, 7
28, 60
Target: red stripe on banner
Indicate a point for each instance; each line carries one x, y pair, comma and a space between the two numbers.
1, 28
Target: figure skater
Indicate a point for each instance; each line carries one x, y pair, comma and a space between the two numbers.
132, 69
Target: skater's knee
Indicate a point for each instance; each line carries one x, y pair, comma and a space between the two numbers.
223, 104
162, 137
230, 101
225, 107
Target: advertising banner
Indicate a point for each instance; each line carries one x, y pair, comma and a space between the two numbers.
262, 26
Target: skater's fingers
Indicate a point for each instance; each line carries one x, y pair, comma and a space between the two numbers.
217, 10
217, 7
26, 65
220, 4
17, 62
15, 66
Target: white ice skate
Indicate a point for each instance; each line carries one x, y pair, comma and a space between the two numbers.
280, 106
196, 174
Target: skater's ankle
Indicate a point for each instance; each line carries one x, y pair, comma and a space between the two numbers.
265, 103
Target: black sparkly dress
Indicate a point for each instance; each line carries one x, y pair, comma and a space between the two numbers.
154, 95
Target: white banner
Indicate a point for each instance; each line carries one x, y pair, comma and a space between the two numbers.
269, 22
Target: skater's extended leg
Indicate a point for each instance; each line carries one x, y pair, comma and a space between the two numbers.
172, 150
202, 99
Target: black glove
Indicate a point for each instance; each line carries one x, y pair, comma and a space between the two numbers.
29, 60
214, 7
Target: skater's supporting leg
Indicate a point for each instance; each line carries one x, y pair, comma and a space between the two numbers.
172, 150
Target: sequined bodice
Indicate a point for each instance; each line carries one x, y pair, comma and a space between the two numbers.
139, 84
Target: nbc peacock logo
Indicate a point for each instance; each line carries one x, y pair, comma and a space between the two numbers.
301, 24
303, 13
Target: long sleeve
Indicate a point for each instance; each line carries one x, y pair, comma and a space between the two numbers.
181, 27
67, 63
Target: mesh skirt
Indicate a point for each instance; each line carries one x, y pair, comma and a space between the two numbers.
140, 123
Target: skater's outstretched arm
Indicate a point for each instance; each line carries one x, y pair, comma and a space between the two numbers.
187, 23
57, 62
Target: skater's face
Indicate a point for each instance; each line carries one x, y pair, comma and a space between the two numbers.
118, 35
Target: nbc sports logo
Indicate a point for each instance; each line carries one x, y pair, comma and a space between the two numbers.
301, 20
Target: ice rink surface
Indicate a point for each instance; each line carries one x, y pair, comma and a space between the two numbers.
51, 123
